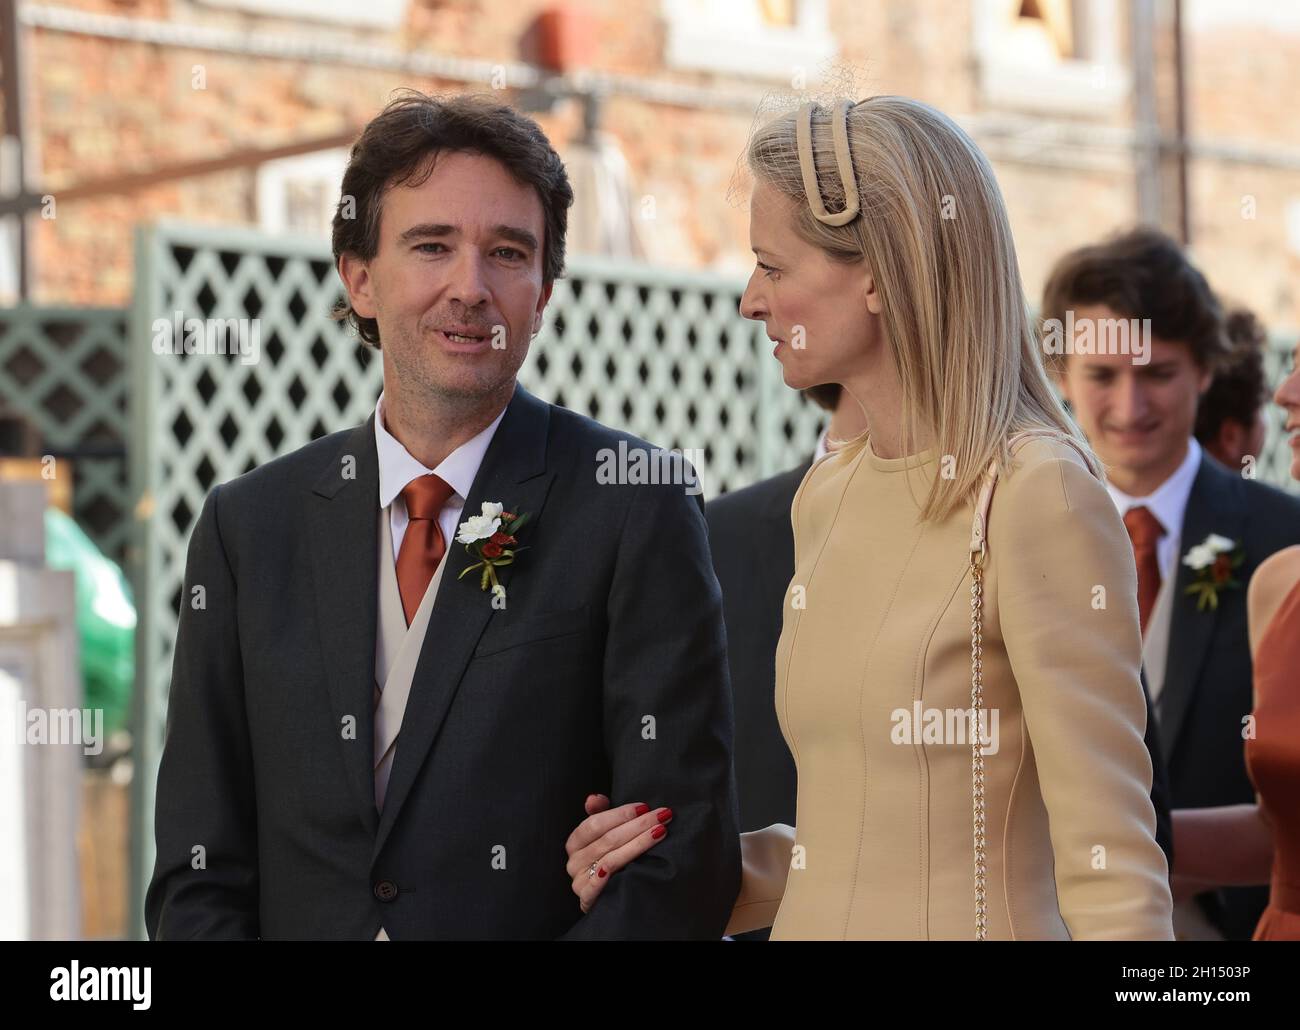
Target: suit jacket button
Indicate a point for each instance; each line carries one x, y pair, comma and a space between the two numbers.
386, 890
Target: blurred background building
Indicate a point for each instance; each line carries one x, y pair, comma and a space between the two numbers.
164, 155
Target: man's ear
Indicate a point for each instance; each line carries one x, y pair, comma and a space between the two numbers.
1203, 384
1231, 437
543, 299
874, 304
355, 274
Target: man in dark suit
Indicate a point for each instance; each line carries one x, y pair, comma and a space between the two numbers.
1138, 407
752, 543
296, 797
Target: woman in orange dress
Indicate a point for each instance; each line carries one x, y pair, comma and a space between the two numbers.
1238, 845
1273, 755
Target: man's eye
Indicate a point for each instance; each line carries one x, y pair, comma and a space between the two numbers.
421, 246
511, 253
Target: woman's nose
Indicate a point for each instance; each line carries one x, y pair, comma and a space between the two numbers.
751, 306
1288, 392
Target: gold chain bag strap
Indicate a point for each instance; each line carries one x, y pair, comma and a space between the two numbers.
978, 539
977, 548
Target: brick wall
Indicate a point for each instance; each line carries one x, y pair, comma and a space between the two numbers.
101, 107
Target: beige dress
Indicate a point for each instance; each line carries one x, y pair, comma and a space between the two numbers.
872, 664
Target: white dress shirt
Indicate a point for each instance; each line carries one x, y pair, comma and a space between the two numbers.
1168, 503
397, 468
822, 449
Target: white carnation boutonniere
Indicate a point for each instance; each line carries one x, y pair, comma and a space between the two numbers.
489, 539
1214, 560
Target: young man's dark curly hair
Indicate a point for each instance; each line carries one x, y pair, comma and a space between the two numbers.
1238, 389
1142, 273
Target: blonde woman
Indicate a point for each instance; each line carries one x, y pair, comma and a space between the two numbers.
885, 263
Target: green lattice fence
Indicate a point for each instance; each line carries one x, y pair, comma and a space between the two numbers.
1275, 463
63, 370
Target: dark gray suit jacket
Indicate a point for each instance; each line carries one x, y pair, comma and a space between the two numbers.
1208, 688
607, 672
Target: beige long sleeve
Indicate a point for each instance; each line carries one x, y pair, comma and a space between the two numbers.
765, 863
1066, 592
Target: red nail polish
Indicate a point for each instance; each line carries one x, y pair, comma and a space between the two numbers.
600, 873
642, 809
658, 832
665, 815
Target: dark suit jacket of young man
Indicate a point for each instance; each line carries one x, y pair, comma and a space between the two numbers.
605, 673
1209, 689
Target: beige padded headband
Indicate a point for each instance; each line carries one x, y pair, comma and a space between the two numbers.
840, 135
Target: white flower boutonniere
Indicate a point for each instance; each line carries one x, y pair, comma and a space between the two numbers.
1214, 560
489, 538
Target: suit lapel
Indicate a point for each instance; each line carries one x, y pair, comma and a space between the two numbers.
343, 521
1213, 506
513, 472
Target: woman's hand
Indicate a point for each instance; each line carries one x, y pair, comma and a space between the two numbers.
606, 841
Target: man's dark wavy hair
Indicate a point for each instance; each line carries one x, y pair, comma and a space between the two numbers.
1239, 388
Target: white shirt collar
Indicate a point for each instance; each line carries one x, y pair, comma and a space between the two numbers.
1168, 502
822, 449
397, 467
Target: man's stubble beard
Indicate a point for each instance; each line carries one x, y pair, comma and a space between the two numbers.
417, 363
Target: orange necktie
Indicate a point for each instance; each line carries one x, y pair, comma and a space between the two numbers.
422, 545
1145, 530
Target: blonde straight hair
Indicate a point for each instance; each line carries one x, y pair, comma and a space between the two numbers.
933, 231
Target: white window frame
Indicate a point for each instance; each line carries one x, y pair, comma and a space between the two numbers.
273, 178
380, 14
9, 260
729, 37
1098, 85
1291, 219
9, 235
